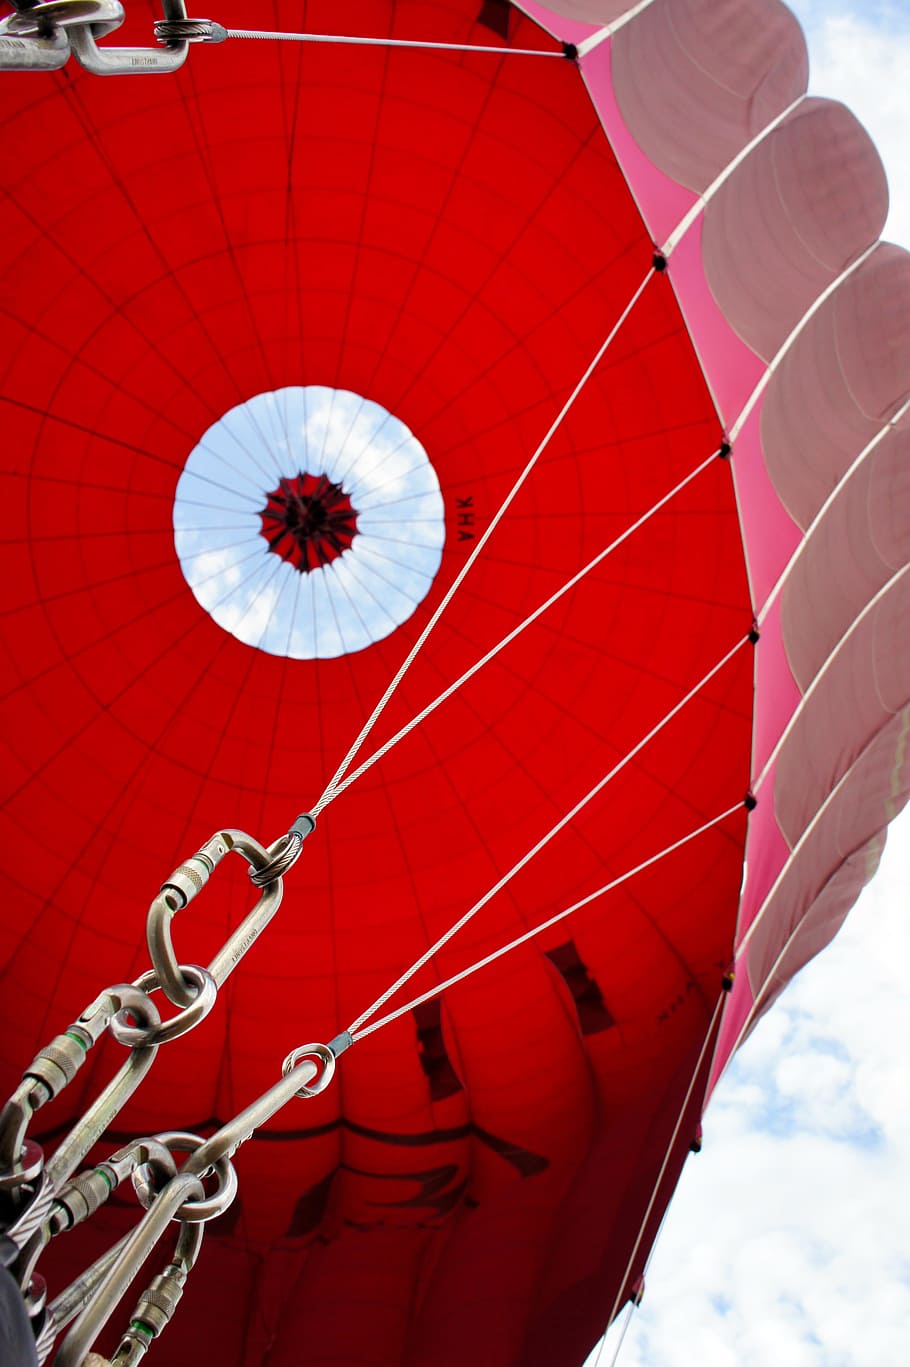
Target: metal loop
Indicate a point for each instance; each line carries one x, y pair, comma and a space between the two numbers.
122, 997
114, 61
198, 1210
311, 1052
206, 993
27, 1167
146, 1161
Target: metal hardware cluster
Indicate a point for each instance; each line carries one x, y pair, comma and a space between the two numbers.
41, 1198
42, 34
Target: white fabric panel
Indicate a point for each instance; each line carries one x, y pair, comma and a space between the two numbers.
862, 540
853, 700
696, 80
803, 205
843, 378
873, 791
815, 929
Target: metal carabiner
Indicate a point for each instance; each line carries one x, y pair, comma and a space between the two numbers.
32, 54
157, 1304
303, 1077
146, 1161
123, 1270
118, 61
55, 1066
182, 886
36, 38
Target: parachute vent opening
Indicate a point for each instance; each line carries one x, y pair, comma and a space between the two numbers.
308, 521
343, 551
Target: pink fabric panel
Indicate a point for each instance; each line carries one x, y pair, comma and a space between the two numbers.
871, 794
816, 929
769, 534
776, 693
696, 80
736, 1013
731, 369
680, 91
766, 854
804, 204
558, 18
863, 539
844, 376
867, 682
661, 201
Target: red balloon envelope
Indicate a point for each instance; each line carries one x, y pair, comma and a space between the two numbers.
281, 333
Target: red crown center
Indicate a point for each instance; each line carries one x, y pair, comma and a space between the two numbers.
308, 521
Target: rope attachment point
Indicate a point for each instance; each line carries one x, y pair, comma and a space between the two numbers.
284, 853
190, 31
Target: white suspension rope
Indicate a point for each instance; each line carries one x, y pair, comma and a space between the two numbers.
280, 37
670, 1146
589, 44
436, 991
774, 364
368, 725
545, 839
707, 195
818, 681
620, 1341
516, 631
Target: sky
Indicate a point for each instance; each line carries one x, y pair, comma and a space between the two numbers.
788, 1241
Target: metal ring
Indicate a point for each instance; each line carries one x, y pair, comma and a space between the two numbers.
208, 1207
206, 992
28, 1167
189, 31
128, 1000
310, 1051
284, 854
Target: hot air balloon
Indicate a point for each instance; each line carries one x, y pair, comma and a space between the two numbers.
471, 439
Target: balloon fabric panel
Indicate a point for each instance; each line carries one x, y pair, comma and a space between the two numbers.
448, 236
